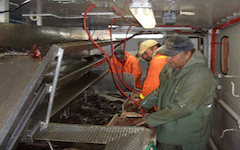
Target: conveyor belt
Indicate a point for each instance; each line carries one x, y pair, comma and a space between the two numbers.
72, 70
67, 94
71, 82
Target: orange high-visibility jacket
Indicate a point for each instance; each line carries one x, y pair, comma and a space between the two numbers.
152, 80
132, 66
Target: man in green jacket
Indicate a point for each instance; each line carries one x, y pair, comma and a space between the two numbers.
184, 98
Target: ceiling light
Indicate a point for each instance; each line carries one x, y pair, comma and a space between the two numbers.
142, 11
99, 13
113, 26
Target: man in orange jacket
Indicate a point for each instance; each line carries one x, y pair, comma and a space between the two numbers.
127, 63
148, 50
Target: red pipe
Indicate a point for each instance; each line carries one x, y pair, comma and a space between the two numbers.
124, 47
214, 39
114, 76
228, 23
213, 49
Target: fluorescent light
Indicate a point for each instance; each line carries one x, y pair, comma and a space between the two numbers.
142, 36
142, 11
113, 26
149, 36
120, 36
99, 13
187, 13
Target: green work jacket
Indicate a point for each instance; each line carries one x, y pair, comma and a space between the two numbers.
184, 102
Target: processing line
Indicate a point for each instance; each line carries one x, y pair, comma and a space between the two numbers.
35, 89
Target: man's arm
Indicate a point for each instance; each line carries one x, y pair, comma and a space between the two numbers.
137, 72
152, 80
186, 102
151, 100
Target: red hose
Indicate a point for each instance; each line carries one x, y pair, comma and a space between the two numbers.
114, 76
114, 64
124, 47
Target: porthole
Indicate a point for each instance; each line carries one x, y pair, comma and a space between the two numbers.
224, 54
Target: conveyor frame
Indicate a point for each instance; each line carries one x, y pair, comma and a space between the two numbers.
17, 119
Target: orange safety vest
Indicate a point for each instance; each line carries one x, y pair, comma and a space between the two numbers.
131, 65
152, 80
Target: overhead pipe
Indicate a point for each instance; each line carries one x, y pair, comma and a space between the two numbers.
180, 31
214, 39
126, 39
31, 16
177, 27
118, 12
231, 22
122, 15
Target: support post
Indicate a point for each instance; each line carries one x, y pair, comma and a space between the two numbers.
54, 85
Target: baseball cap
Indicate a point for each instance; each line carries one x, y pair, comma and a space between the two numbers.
146, 44
174, 45
118, 53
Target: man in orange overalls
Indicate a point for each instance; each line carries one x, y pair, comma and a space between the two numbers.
148, 50
127, 63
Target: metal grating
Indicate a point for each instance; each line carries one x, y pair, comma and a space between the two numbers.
129, 142
115, 137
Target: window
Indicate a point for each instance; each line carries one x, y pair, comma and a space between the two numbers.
224, 54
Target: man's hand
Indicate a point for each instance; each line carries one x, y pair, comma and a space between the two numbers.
145, 110
139, 121
131, 107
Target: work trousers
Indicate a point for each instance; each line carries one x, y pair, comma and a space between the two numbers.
192, 146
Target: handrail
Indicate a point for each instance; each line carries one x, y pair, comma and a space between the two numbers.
233, 89
230, 111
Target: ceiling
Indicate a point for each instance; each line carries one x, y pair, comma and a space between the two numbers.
69, 13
